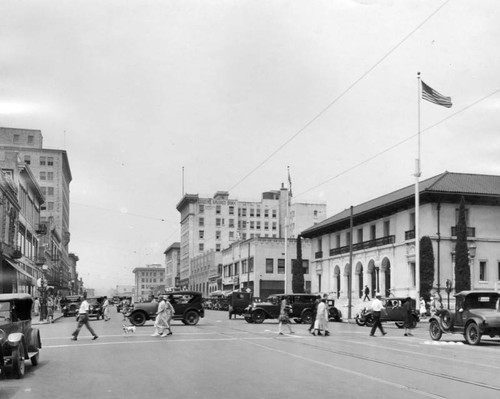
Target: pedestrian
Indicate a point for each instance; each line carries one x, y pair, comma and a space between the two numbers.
161, 321
36, 307
367, 294
50, 309
377, 308
314, 313
83, 319
125, 305
284, 317
408, 318
321, 322
423, 310
105, 309
170, 311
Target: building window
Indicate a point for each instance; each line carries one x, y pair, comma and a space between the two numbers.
231, 210
27, 159
231, 223
217, 235
274, 226
243, 224
373, 232
43, 161
217, 222
50, 206
217, 209
338, 240
360, 235
201, 247
201, 208
50, 161
31, 139
231, 235
252, 212
43, 176
482, 271
266, 213
305, 265
266, 225
269, 266
387, 228
202, 234
236, 267
257, 212
244, 236
274, 213
348, 238
201, 222
50, 191
315, 214
217, 247
50, 176
243, 211
281, 266
320, 245
252, 224
16, 139
258, 225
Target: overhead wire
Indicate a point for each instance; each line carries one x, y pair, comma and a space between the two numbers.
340, 96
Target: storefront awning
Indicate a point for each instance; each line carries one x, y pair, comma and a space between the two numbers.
16, 266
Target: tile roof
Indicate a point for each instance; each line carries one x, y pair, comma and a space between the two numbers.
446, 183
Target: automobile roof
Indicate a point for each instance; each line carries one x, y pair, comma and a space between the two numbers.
479, 292
19, 297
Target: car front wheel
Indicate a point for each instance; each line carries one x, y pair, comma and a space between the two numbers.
248, 320
307, 317
435, 330
472, 334
18, 361
258, 317
137, 318
191, 318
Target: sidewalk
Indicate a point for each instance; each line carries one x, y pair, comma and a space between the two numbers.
35, 321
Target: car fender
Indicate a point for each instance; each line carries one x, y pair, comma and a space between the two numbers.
477, 320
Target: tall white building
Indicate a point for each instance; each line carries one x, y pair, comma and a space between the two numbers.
215, 223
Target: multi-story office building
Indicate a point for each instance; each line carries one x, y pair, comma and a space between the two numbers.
172, 265
51, 170
149, 281
383, 250
215, 223
20, 203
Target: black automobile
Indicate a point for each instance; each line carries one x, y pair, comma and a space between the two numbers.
237, 302
393, 311
188, 306
70, 305
18, 340
95, 306
302, 308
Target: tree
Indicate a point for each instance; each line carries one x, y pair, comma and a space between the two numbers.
426, 267
298, 270
462, 269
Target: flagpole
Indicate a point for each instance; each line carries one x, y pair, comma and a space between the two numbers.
417, 203
286, 236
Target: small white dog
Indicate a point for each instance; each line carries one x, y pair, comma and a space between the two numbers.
128, 329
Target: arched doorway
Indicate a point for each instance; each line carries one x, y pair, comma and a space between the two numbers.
347, 275
336, 276
373, 278
359, 279
386, 270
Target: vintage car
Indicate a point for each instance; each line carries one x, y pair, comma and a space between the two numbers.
70, 305
334, 314
302, 308
476, 313
95, 306
393, 311
18, 340
237, 302
188, 306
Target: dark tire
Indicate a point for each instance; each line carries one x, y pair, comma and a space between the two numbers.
414, 322
435, 330
249, 320
360, 322
369, 321
472, 334
258, 317
191, 318
18, 366
138, 318
35, 359
400, 324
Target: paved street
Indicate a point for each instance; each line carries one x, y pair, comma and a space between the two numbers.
221, 358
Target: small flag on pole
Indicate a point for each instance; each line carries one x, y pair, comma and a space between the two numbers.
433, 96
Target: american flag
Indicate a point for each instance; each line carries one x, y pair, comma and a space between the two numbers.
433, 96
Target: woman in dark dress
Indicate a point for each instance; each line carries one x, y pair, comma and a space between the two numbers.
408, 317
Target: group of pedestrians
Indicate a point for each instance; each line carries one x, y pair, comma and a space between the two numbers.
319, 322
164, 316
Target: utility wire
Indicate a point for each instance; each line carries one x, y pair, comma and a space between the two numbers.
398, 143
311, 121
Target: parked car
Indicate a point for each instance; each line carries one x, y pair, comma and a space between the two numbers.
393, 311
302, 308
70, 305
188, 306
95, 306
18, 340
476, 313
334, 314
237, 302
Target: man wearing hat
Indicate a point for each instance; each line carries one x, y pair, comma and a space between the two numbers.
377, 307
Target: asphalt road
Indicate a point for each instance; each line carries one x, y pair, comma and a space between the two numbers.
222, 358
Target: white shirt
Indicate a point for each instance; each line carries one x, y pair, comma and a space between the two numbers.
84, 307
377, 305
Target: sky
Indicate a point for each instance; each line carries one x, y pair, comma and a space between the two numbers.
234, 92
